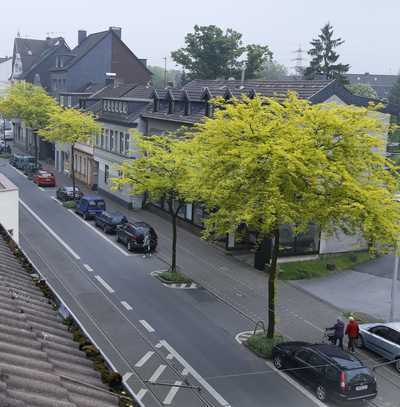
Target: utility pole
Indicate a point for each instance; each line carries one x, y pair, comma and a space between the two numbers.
165, 72
299, 61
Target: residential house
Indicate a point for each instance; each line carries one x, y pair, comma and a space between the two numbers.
5, 73
118, 111
174, 108
382, 84
94, 56
9, 215
31, 62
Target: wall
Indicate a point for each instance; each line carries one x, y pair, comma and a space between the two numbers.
339, 242
92, 67
9, 216
127, 67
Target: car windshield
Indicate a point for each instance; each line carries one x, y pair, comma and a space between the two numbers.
70, 189
362, 374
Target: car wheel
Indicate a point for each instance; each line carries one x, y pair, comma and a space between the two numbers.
118, 238
360, 342
130, 246
85, 216
278, 362
106, 229
320, 392
397, 365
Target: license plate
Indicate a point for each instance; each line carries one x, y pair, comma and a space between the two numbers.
364, 387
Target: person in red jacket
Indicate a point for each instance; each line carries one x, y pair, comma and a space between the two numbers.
352, 331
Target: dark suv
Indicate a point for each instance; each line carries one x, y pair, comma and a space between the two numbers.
330, 371
109, 221
132, 235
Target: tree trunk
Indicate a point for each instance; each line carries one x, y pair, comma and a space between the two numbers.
272, 280
73, 170
35, 142
173, 259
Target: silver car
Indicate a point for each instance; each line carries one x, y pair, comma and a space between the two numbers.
383, 339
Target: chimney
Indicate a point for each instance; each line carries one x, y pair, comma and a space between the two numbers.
111, 79
117, 31
82, 34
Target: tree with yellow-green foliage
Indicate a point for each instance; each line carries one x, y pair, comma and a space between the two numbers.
29, 103
268, 163
159, 172
70, 126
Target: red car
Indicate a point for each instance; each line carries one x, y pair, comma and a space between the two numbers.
44, 179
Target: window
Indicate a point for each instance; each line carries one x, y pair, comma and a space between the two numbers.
127, 137
303, 355
102, 138
112, 106
121, 142
105, 105
69, 101
61, 100
125, 107
120, 107
106, 140
54, 84
111, 140
156, 105
106, 173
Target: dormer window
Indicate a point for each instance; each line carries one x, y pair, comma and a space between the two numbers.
156, 105
171, 107
187, 108
208, 111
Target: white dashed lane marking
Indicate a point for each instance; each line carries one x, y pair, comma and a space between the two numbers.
104, 284
157, 373
144, 359
172, 393
87, 267
141, 394
147, 326
126, 306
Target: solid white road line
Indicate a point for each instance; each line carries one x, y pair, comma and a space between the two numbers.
126, 305
19, 172
126, 376
172, 393
158, 372
87, 267
296, 385
104, 284
55, 199
115, 245
148, 327
54, 234
141, 394
196, 375
42, 189
144, 359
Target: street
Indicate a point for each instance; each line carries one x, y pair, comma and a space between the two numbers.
160, 334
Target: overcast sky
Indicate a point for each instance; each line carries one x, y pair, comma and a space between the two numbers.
153, 28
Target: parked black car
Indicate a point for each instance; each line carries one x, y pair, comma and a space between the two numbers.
330, 371
109, 221
64, 194
132, 235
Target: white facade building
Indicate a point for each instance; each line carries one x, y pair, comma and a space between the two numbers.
9, 215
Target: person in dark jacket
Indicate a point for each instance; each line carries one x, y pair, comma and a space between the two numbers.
352, 331
338, 329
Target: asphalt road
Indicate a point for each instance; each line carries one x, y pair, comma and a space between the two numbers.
157, 334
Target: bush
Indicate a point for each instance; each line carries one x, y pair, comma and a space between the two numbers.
174, 277
321, 267
69, 204
262, 346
